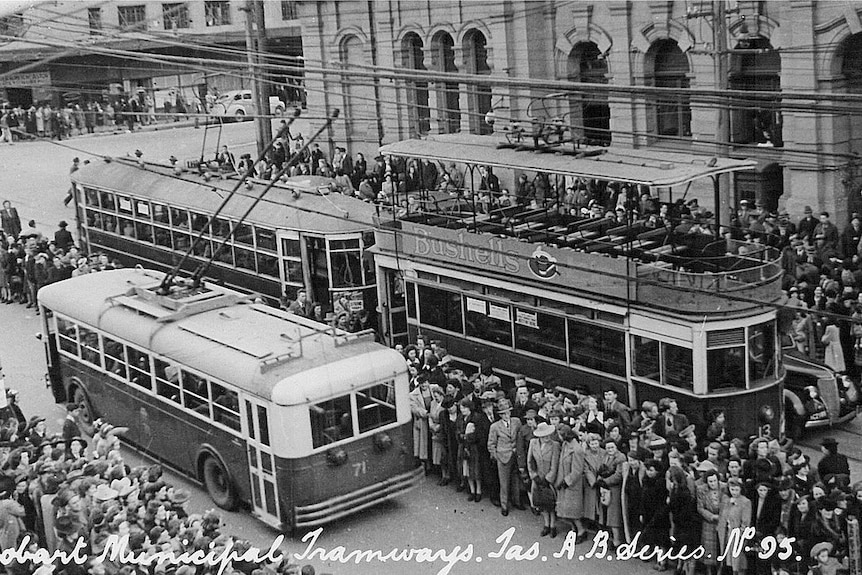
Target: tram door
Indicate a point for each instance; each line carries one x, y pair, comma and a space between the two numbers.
261, 462
395, 293
290, 255
318, 262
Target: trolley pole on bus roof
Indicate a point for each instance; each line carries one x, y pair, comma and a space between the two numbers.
722, 187
255, 46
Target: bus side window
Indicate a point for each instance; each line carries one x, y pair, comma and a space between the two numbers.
167, 380
225, 406
139, 368
195, 393
66, 336
115, 357
90, 351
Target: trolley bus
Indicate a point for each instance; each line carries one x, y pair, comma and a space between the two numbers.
305, 424
606, 302
300, 237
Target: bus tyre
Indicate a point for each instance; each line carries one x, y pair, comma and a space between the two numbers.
87, 417
218, 483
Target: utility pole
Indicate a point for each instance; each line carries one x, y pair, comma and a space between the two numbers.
722, 135
255, 42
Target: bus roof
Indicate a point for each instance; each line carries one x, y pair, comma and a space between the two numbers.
264, 351
634, 166
310, 211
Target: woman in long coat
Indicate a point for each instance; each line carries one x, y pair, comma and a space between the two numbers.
449, 439
735, 514
435, 414
594, 456
570, 481
685, 519
834, 357
632, 494
468, 451
709, 506
611, 472
420, 402
656, 519
543, 462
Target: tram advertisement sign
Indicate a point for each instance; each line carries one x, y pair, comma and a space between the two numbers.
508, 256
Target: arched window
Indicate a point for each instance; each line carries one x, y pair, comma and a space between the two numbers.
358, 98
671, 111
851, 66
755, 66
413, 58
448, 106
590, 114
478, 94
848, 122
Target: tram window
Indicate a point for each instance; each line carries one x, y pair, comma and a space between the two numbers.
265, 239
199, 222
411, 300
290, 248
396, 288
645, 360
179, 218
108, 201
494, 324
244, 235
195, 393
89, 346
94, 219
375, 406
244, 258
160, 214
678, 369
267, 265
167, 380
292, 271
163, 237
115, 357
220, 228
609, 317
225, 406
597, 347
91, 197
540, 333
725, 368
124, 205
142, 209
126, 228
202, 248
139, 368
263, 424
144, 232
761, 351
331, 421
66, 336
346, 269
344, 244
181, 241
440, 308
110, 223
225, 253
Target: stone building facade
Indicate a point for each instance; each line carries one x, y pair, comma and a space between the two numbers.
793, 68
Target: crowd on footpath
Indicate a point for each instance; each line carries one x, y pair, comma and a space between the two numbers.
587, 462
58, 488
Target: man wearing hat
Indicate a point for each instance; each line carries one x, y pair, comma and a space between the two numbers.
483, 420
828, 230
833, 463
63, 237
522, 445
70, 424
805, 228
502, 446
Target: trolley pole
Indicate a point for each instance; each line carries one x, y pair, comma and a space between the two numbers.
255, 43
722, 188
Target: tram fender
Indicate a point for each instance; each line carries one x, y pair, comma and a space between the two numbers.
205, 450
794, 400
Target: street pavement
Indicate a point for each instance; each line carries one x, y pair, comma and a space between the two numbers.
34, 177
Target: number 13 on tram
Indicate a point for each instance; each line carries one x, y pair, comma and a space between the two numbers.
305, 424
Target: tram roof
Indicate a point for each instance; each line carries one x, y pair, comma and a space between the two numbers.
634, 166
265, 351
310, 212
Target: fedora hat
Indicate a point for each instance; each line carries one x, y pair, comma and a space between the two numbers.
122, 486
829, 441
488, 396
65, 525
824, 546
658, 443
687, 431
544, 430
105, 493
504, 406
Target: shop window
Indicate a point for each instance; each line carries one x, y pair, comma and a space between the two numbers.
597, 347
540, 333
440, 308
488, 321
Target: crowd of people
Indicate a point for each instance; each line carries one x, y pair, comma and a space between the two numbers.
587, 463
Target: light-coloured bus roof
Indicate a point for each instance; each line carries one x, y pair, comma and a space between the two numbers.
655, 168
311, 212
265, 351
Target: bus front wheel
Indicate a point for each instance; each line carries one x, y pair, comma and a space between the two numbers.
86, 418
218, 483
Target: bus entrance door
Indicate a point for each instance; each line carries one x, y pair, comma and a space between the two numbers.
261, 462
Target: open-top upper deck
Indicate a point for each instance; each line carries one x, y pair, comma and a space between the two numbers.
623, 257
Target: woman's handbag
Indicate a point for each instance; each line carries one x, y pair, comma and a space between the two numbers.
544, 496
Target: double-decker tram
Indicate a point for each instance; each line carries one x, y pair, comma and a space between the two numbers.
304, 423
301, 237
612, 300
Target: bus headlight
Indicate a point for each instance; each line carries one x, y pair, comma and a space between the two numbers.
336, 457
382, 441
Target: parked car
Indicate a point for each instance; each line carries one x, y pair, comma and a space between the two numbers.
814, 395
240, 104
